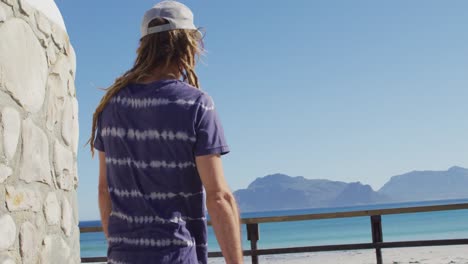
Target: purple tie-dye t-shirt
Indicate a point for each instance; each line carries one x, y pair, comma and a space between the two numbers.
151, 134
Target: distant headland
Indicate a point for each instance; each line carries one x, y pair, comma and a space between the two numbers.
283, 192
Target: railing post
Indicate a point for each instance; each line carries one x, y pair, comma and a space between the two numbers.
377, 236
253, 236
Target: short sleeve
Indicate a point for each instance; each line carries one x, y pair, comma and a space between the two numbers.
98, 143
209, 131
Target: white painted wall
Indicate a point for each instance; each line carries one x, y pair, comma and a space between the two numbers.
49, 8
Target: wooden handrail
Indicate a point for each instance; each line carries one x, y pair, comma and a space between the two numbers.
273, 219
376, 228
404, 210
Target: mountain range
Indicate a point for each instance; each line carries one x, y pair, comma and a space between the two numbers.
283, 192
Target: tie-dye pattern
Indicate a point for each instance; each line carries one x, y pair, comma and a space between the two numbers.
151, 135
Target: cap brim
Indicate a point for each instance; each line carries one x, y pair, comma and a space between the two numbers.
166, 27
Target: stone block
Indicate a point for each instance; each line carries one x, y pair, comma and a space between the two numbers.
72, 57
22, 199
28, 243
22, 55
62, 67
43, 24
5, 172
74, 206
70, 125
75, 126
5, 259
71, 86
67, 217
56, 97
3, 15
52, 209
44, 43
7, 232
60, 39
51, 55
64, 166
39, 221
9, 2
54, 250
77, 179
35, 164
25, 8
11, 123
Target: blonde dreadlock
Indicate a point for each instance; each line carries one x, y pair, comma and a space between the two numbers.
161, 50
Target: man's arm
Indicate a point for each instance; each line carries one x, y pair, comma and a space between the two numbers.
222, 207
104, 197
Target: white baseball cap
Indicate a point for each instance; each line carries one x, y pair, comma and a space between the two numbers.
177, 14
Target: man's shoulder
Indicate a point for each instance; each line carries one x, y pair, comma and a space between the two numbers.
189, 92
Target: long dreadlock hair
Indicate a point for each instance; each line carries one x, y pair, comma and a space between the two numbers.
179, 47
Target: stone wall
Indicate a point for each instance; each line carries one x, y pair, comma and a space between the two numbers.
38, 139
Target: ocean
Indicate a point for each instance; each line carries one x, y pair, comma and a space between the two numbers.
414, 226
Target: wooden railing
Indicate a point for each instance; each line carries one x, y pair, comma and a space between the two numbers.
376, 228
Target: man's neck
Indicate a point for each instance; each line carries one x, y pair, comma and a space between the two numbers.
158, 74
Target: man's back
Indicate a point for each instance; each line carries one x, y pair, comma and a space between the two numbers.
150, 135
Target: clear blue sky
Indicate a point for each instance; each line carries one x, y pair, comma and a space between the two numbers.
344, 90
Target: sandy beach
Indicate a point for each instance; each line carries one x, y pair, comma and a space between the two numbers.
422, 255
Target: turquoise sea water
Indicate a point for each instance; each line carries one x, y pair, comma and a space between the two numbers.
415, 226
